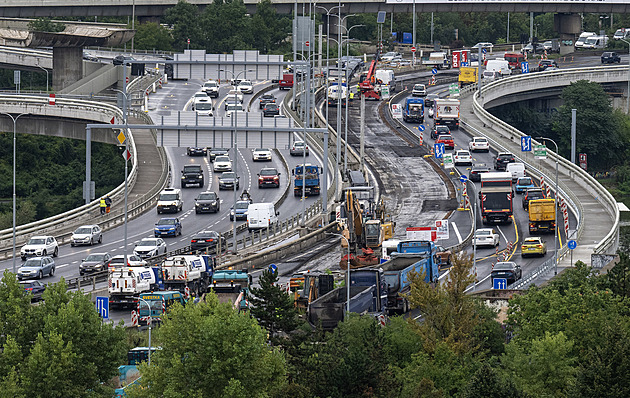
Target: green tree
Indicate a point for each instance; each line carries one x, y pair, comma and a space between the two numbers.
184, 18
46, 25
272, 306
153, 36
227, 27
543, 368
488, 383
210, 350
269, 29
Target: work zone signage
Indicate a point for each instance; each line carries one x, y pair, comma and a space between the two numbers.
422, 233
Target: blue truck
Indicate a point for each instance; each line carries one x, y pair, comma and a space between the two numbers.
413, 110
410, 256
232, 286
368, 294
312, 180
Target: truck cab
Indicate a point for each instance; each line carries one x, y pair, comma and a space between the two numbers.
311, 179
232, 286
153, 305
413, 110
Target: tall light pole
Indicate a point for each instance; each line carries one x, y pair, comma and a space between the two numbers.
347, 271
628, 92
133, 21
45, 70
555, 210
339, 55
474, 231
150, 322
413, 29
14, 119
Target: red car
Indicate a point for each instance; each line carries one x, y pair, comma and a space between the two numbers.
447, 140
269, 177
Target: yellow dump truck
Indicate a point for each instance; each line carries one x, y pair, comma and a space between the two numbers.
467, 75
542, 215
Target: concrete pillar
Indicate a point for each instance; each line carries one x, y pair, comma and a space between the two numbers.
334, 28
569, 27
67, 66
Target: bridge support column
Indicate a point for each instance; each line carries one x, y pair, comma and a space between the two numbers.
67, 66
568, 26
334, 24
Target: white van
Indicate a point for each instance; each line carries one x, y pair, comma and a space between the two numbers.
595, 42
499, 65
517, 170
261, 215
622, 33
579, 43
170, 201
386, 76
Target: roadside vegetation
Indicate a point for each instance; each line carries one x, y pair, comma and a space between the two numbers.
50, 175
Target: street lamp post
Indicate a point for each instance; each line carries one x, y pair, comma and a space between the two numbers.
45, 70
628, 92
347, 272
150, 322
474, 240
339, 55
14, 119
555, 210
234, 121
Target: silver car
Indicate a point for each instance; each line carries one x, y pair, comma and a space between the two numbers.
87, 235
36, 267
150, 247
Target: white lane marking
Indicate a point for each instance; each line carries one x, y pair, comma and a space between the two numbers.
444, 274
503, 235
478, 283
456, 230
63, 265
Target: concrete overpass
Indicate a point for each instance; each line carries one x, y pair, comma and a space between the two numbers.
155, 8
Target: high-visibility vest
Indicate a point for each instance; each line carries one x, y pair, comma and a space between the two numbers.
351, 95
103, 204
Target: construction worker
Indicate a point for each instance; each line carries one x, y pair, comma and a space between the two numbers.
102, 205
351, 96
108, 203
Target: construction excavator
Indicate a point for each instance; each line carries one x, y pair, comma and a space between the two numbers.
367, 84
364, 230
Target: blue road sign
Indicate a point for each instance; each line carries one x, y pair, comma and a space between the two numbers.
572, 244
463, 64
499, 283
483, 50
434, 71
273, 268
463, 178
439, 150
524, 67
421, 127
102, 306
526, 143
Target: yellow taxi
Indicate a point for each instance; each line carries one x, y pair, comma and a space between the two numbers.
533, 246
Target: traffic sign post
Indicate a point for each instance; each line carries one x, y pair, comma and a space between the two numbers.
102, 306
413, 49
463, 178
448, 161
499, 283
540, 152
273, 268
526, 143
524, 67
572, 244
434, 71
421, 139
439, 150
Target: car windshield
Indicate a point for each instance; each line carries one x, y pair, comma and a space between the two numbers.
525, 181
33, 262
203, 106
268, 97
228, 175
83, 230
242, 205
261, 150
210, 84
483, 233
463, 153
222, 159
503, 267
166, 221
418, 87
207, 196
94, 257
201, 95
298, 144
168, 196
37, 241
191, 169
268, 172
271, 106
481, 140
148, 242
245, 83
234, 107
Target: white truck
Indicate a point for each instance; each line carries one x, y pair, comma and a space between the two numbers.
182, 271
446, 112
438, 60
334, 93
126, 283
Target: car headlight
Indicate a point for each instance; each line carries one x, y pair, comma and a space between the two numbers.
183, 178
197, 204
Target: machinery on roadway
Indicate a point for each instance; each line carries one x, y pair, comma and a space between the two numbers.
495, 197
232, 286
190, 272
413, 110
311, 180
366, 85
125, 284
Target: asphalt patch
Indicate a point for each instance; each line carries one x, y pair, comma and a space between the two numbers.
405, 151
439, 205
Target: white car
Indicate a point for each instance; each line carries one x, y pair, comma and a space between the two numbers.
232, 108
246, 87
87, 235
231, 99
222, 163
490, 75
238, 94
387, 57
261, 154
479, 144
203, 107
462, 157
200, 95
150, 247
39, 246
486, 237
211, 88
419, 90
486, 45
133, 260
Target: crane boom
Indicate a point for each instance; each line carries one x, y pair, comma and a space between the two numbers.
367, 86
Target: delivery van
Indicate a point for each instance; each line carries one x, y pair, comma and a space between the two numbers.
386, 76
499, 65
517, 169
261, 215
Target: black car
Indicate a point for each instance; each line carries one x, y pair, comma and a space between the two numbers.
228, 180
502, 159
207, 240
95, 262
266, 99
532, 194
36, 288
90, 57
430, 99
477, 170
547, 63
192, 175
439, 129
214, 152
196, 151
271, 110
610, 57
207, 202
122, 59
508, 270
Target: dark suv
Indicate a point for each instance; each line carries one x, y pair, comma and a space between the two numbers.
532, 194
207, 202
508, 270
437, 130
502, 159
610, 57
192, 174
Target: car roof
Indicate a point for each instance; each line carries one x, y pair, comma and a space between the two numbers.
533, 238
485, 229
504, 265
